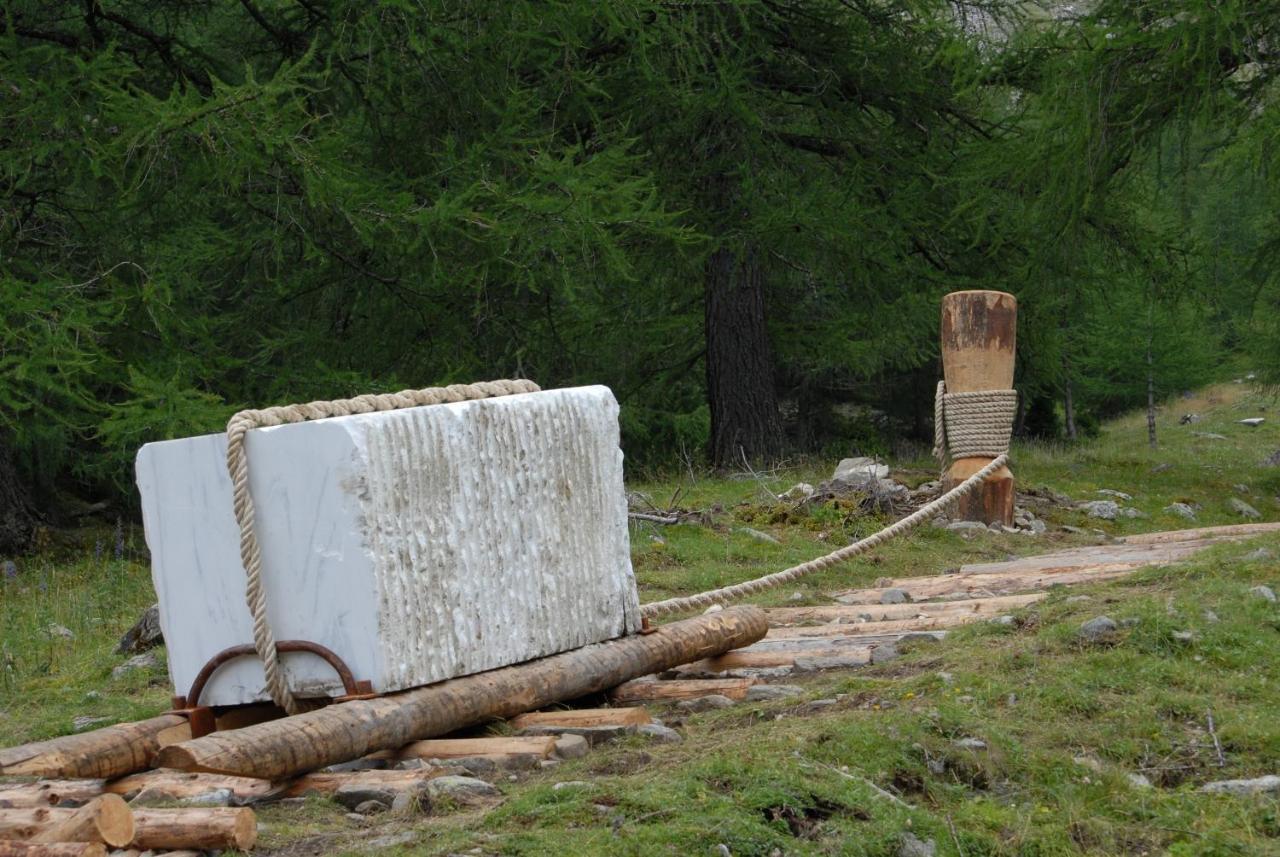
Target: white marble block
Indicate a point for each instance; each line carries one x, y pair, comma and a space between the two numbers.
418, 544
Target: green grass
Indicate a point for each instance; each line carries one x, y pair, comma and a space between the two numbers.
1066, 724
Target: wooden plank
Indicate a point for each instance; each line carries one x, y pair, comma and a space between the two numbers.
1080, 559
184, 785
284, 748
394, 781
920, 588
677, 689
453, 748
894, 628
992, 606
583, 717
34, 793
1229, 530
754, 659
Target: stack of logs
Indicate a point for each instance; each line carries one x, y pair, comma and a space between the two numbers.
72, 801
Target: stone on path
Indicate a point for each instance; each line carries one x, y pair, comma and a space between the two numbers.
390, 533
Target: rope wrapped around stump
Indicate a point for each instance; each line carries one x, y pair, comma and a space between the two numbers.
972, 425
240, 424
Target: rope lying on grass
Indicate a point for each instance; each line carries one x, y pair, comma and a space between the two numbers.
264, 641
750, 587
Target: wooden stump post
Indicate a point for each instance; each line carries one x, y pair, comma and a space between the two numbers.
979, 333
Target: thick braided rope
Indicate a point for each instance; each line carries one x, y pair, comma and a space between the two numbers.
750, 587
972, 425
238, 465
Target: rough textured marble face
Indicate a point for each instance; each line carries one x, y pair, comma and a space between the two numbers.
418, 544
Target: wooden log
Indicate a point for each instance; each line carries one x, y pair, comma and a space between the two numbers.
759, 659
993, 606
185, 785
583, 717
1229, 530
65, 793
393, 781
104, 819
337, 733
863, 630
677, 689
200, 829
455, 748
15, 848
112, 751
945, 585
979, 332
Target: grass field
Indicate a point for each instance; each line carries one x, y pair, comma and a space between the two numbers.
1067, 726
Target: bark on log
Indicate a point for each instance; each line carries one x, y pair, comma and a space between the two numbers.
579, 718
112, 751
13, 848
455, 748
675, 690
183, 785
104, 819
198, 829
338, 733
392, 781
979, 332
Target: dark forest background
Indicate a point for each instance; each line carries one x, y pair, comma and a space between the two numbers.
738, 215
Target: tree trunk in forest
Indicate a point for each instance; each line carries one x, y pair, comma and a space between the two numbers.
17, 515
1151, 377
1068, 398
740, 390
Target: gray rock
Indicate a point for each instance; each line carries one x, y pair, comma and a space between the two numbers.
1098, 629
1138, 781
858, 470
975, 744
884, 653
145, 633
1130, 622
659, 733
394, 840
1259, 555
1077, 599
144, 661
1119, 495
548, 764
814, 706
797, 596
1272, 460
572, 747
895, 596
1131, 513
353, 795
56, 630
1182, 510
722, 850
1209, 435
411, 802
967, 525
370, 807
571, 784
1184, 636
1252, 422
367, 765
1006, 620
462, 789
1210, 616
1107, 510
1269, 784
1187, 419
758, 535
830, 662
159, 797
799, 492
768, 692
594, 735
913, 846
1243, 509
85, 721
923, 636
1266, 593
710, 702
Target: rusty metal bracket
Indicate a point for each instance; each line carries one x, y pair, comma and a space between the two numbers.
201, 717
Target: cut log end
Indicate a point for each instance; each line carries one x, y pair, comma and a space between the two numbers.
105, 819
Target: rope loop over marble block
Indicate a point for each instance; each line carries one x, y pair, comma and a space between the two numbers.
974, 424
240, 424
